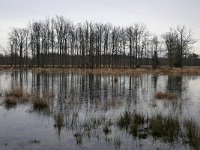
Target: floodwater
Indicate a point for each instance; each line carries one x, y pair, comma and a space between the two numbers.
91, 100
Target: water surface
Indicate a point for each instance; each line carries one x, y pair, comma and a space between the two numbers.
81, 99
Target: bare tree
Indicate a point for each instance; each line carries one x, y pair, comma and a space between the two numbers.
177, 43
18, 38
59, 42
155, 43
171, 45
184, 39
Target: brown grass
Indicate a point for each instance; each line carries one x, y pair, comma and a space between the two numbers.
10, 102
191, 70
161, 95
6, 68
15, 95
124, 71
40, 102
19, 95
17, 92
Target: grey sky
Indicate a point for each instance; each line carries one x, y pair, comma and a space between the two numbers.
158, 15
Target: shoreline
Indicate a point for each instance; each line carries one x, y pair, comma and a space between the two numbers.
191, 70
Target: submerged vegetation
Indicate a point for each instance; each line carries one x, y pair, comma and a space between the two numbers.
59, 121
131, 122
192, 133
167, 128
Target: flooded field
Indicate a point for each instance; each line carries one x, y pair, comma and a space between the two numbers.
85, 111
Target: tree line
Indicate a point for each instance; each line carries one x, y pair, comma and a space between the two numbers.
58, 42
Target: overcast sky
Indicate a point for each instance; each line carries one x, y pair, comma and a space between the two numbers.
158, 15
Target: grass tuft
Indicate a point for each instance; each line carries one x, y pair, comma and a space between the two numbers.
131, 122
17, 92
164, 127
40, 103
10, 102
15, 96
192, 133
167, 128
106, 130
59, 120
125, 120
78, 137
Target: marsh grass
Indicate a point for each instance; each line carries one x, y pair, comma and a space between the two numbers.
161, 95
15, 96
192, 133
94, 126
117, 142
16, 92
167, 128
89, 126
124, 71
10, 102
107, 130
93, 123
131, 122
59, 121
40, 103
125, 120
79, 138
18, 95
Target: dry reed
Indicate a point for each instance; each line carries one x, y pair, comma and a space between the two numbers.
40, 102
16, 95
